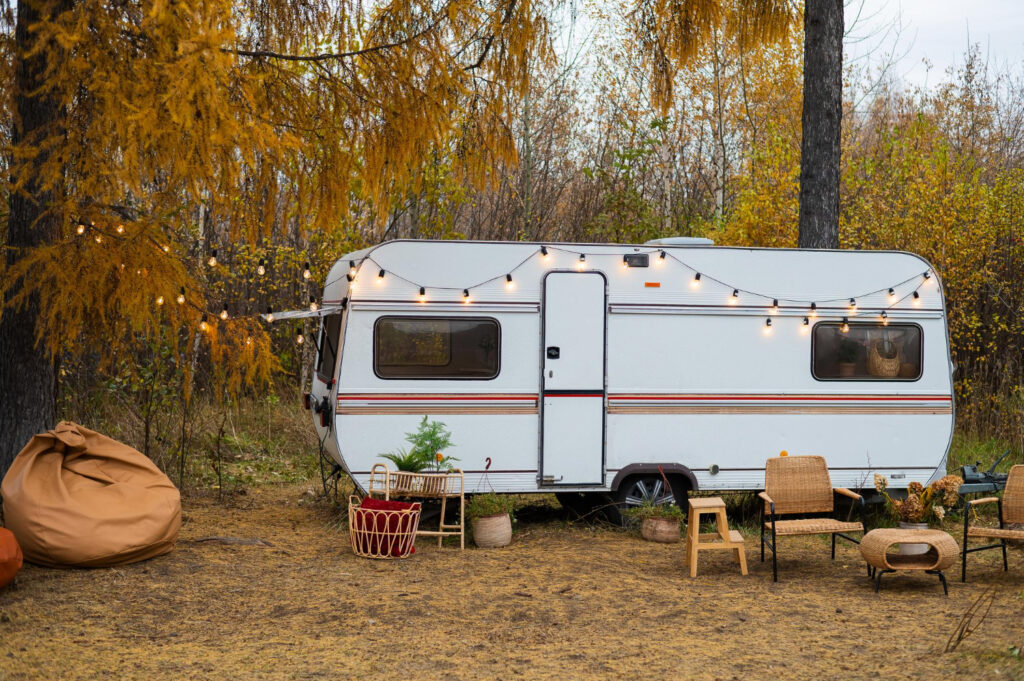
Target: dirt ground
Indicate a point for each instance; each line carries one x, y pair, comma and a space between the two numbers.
563, 601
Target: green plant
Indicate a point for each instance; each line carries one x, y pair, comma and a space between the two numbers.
649, 509
922, 504
428, 444
847, 352
483, 505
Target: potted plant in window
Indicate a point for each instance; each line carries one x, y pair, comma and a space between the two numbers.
921, 506
847, 356
659, 522
490, 517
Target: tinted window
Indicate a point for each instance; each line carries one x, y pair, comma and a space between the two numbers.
330, 330
874, 352
436, 347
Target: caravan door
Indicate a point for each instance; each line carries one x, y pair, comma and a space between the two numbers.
573, 384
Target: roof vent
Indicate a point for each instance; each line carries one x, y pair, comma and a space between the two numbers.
680, 241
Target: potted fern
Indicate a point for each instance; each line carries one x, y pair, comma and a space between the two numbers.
490, 517
659, 522
426, 454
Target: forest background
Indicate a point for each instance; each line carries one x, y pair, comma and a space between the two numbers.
583, 154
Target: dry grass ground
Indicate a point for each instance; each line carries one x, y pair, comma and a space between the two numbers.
560, 602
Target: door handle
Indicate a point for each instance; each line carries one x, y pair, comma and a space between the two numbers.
554, 352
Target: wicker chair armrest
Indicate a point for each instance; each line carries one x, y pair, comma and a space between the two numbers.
765, 497
986, 500
847, 493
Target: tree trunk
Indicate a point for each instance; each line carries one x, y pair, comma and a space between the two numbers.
27, 375
822, 121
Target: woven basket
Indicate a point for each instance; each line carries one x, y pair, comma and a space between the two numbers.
882, 366
664, 530
492, 531
380, 533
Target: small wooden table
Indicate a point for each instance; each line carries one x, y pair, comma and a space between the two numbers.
723, 539
942, 552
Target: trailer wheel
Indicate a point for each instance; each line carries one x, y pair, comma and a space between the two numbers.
640, 489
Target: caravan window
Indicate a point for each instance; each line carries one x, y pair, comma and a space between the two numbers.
330, 332
436, 347
866, 351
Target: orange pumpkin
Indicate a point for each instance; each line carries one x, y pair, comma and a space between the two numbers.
10, 557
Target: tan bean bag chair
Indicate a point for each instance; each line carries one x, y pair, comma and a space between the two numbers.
75, 498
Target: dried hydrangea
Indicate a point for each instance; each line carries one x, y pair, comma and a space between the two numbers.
915, 488
939, 512
911, 510
881, 482
949, 487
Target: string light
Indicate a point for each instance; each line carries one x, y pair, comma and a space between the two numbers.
509, 284
159, 300
544, 252
845, 327
270, 315
261, 268
775, 306
661, 257
212, 262
120, 229
298, 335
735, 297
351, 269
80, 229
423, 294
767, 326
312, 304
99, 239
248, 340
380, 276
306, 274
892, 293
167, 249
806, 326
582, 262
203, 325
917, 298
181, 296
927, 275
696, 280
224, 313
814, 310
465, 295
853, 306
885, 318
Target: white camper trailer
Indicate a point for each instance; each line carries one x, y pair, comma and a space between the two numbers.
590, 368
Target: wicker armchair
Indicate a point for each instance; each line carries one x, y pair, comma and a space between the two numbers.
800, 485
1011, 511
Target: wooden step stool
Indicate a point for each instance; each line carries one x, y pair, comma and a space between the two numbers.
723, 539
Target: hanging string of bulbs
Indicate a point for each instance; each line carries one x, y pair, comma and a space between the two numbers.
810, 307
544, 252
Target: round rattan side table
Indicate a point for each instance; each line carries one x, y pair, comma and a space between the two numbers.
942, 552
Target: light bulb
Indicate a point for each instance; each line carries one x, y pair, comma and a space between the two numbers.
845, 327
299, 339
261, 268
99, 239
917, 299
814, 310
775, 306
212, 262
853, 306
735, 297
509, 284
248, 340
885, 318
544, 253
167, 249
892, 293
181, 296
352, 268
224, 313
465, 295
312, 304
806, 326
306, 274
80, 229
203, 326
661, 257
120, 229
696, 280
159, 300
270, 315
423, 294
380, 276
767, 326
582, 262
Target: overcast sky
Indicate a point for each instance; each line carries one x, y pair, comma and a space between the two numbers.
939, 31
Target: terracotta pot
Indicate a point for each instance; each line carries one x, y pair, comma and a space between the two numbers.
492, 531
847, 369
664, 530
913, 549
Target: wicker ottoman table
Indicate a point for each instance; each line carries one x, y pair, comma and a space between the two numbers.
942, 552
